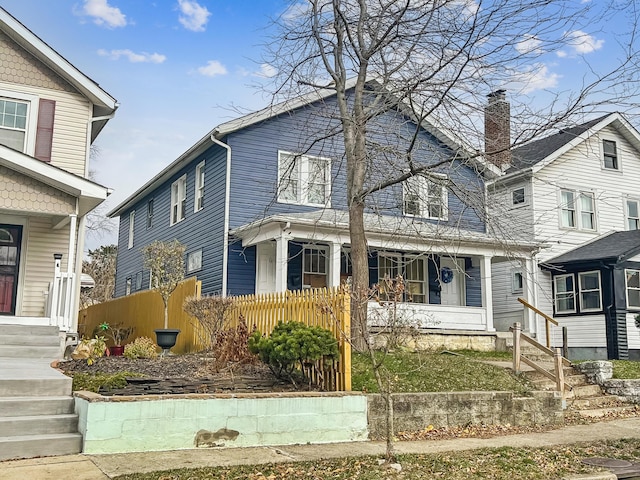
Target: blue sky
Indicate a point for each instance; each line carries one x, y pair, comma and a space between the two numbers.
180, 67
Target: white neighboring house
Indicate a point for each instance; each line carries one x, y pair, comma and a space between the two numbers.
565, 192
50, 113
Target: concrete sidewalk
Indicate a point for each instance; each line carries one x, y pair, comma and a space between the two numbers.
98, 467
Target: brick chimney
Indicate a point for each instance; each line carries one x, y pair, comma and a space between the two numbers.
497, 129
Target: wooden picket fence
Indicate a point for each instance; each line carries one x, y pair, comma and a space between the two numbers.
145, 312
324, 307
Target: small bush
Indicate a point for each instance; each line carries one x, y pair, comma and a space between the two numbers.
142, 347
212, 314
232, 346
293, 346
93, 382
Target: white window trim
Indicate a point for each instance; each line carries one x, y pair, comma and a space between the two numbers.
323, 248
555, 294
425, 272
190, 255
626, 211
199, 189
178, 199
132, 219
514, 287
424, 180
601, 145
32, 117
626, 288
128, 284
150, 212
302, 162
580, 290
526, 197
577, 210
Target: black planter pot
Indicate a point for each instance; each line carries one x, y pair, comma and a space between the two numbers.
166, 338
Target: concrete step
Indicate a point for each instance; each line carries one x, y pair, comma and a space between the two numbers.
543, 382
18, 406
36, 387
42, 340
31, 446
605, 411
38, 424
598, 401
29, 330
29, 351
585, 391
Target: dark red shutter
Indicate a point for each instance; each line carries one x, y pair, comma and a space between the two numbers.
44, 134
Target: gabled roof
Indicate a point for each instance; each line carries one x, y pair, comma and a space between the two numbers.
89, 194
539, 153
104, 104
272, 111
613, 247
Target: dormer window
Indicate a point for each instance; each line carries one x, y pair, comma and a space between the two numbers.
610, 152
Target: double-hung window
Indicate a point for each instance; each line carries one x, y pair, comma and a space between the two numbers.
425, 196
633, 288
610, 155
416, 280
577, 210
633, 215
565, 294
198, 203
178, 199
590, 291
304, 179
13, 123
388, 270
518, 196
314, 267
132, 218
150, 213
517, 281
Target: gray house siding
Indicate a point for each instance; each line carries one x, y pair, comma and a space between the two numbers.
198, 230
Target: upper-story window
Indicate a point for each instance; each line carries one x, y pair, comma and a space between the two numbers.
198, 203
425, 196
518, 196
13, 123
132, 218
178, 199
577, 210
304, 179
150, 213
610, 155
633, 217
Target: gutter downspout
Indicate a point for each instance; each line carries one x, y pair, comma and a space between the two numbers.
227, 194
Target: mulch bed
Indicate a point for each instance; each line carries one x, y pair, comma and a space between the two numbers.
179, 374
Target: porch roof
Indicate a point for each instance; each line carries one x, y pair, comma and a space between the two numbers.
88, 193
333, 225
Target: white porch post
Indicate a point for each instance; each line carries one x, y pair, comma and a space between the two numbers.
282, 254
529, 294
334, 268
487, 294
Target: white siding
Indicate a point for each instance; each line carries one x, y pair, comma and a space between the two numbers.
73, 112
633, 332
582, 331
41, 243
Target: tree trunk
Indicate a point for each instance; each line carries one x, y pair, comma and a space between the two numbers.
166, 314
360, 279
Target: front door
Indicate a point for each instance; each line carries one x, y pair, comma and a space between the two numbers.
266, 268
10, 238
451, 281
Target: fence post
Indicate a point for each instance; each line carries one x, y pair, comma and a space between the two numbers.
346, 341
516, 347
557, 361
548, 333
565, 343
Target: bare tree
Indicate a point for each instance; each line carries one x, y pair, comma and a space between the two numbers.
434, 61
101, 266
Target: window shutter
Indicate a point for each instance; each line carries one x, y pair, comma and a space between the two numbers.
44, 133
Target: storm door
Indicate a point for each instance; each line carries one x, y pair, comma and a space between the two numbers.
10, 238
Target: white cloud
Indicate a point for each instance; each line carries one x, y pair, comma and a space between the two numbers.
104, 14
132, 56
266, 71
536, 77
583, 43
561, 53
212, 69
529, 44
193, 16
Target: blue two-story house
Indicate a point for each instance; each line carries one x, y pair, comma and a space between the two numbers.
260, 203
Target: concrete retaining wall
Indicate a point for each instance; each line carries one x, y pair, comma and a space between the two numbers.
172, 422
416, 411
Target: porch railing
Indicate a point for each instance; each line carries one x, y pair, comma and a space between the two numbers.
549, 323
60, 301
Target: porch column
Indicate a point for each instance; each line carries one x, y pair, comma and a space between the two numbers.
282, 257
487, 294
529, 294
334, 266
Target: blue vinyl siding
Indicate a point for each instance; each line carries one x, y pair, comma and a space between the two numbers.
473, 283
242, 269
199, 230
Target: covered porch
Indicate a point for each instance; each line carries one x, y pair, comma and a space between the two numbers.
42, 219
447, 272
